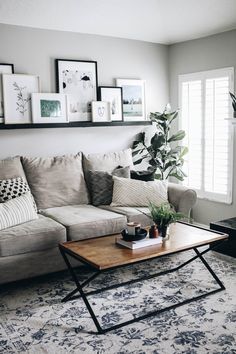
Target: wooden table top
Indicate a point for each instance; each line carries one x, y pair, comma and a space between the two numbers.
103, 253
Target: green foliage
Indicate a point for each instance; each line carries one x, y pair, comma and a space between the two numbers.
164, 215
164, 158
233, 97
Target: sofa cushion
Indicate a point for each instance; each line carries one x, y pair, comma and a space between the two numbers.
56, 181
11, 168
130, 192
101, 184
86, 221
107, 162
139, 214
32, 236
17, 211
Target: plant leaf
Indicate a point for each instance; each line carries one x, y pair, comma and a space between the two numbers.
178, 136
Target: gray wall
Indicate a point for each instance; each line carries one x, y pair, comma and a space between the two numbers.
208, 53
33, 51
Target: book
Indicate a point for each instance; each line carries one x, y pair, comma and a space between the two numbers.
139, 244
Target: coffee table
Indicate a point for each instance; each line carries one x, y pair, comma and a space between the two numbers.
103, 254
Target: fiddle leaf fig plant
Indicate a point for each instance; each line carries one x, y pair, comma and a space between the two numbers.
163, 153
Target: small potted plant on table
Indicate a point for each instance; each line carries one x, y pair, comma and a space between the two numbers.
163, 216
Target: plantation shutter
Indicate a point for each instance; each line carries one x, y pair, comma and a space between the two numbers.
205, 106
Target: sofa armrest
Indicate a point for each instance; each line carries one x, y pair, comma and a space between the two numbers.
182, 198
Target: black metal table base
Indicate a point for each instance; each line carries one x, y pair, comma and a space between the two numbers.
79, 289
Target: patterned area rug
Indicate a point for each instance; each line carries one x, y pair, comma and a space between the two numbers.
33, 320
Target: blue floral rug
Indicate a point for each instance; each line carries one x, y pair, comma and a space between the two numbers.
33, 319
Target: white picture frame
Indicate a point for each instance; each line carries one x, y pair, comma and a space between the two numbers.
49, 108
101, 112
17, 90
113, 95
78, 80
134, 105
4, 69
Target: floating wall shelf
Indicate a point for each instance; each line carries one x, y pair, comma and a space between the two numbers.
71, 125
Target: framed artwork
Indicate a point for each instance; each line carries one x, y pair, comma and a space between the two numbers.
113, 95
4, 69
134, 106
17, 90
78, 80
101, 111
49, 108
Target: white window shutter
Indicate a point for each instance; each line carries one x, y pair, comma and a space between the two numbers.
205, 106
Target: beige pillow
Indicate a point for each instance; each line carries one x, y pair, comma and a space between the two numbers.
134, 193
56, 181
108, 162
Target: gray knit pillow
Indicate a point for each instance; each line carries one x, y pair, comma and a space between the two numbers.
101, 184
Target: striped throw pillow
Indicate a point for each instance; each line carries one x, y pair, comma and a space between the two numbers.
17, 211
134, 193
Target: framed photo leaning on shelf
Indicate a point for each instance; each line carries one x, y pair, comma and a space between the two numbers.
4, 69
78, 80
17, 90
113, 95
134, 105
101, 112
49, 108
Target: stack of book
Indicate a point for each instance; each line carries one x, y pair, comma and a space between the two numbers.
139, 244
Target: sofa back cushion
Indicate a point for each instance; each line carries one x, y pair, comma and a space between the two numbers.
11, 168
108, 162
56, 181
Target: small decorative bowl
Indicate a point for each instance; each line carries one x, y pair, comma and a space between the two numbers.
140, 235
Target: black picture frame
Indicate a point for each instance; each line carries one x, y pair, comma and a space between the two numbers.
11, 66
116, 103
78, 79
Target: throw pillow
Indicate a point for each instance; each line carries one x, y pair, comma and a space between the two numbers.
14, 187
56, 181
17, 211
128, 192
146, 175
101, 184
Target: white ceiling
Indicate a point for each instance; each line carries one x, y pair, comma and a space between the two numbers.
160, 21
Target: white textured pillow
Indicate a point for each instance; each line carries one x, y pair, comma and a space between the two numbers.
131, 192
17, 211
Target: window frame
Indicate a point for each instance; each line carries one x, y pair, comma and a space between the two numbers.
203, 76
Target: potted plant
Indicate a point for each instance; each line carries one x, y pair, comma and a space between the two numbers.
163, 216
233, 97
166, 159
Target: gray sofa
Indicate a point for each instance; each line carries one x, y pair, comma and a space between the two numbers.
65, 212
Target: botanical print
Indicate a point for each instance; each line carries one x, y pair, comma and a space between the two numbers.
50, 108
4, 69
78, 80
17, 90
34, 320
23, 99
